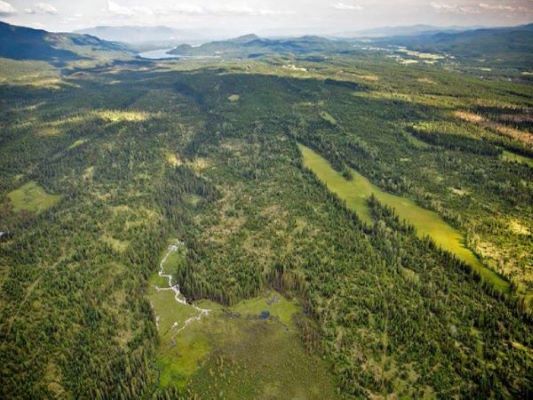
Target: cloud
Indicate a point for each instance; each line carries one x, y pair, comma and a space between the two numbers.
41, 8
498, 7
454, 8
191, 10
123, 11
219, 11
6, 9
348, 7
117, 9
476, 8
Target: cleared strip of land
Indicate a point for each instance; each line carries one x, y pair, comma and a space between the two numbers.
427, 223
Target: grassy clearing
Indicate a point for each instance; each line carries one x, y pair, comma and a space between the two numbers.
32, 197
119, 246
426, 223
77, 143
328, 117
421, 55
271, 302
250, 350
34, 73
512, 157
123, 116
415, 142
257, 359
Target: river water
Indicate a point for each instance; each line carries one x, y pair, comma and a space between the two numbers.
178, 296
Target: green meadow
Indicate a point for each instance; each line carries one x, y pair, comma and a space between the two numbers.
249, 350
32, 197
427, 223
512, 157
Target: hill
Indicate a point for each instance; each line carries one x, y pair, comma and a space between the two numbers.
21, 43
510, 46
412, 30
253, 46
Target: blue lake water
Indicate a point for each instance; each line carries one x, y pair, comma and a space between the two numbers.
159, 54
162, 54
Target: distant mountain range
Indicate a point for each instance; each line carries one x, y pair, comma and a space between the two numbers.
21, 43
513, 45
412, 30
144, 35
165, 34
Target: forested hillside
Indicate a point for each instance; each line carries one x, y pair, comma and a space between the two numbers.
20, 43
285, 287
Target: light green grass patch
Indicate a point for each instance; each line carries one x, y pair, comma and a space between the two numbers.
427, 223
233, 350
415, 142
32, 197
77, 143
255, 359
328, 117
272, 302
123, 116
512, 157
119, 246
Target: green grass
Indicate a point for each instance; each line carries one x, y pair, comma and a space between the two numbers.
77, 143
178, 354
512, 157
32, 197
328, 117
427, 223
277, 305
415, 142
232, 352
179, 357
257, 359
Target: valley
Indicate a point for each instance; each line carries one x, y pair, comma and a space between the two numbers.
265, 218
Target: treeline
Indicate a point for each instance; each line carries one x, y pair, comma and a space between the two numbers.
457, 142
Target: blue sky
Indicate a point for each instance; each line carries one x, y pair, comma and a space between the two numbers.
264, 16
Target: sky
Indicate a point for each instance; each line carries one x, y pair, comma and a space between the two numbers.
270, 17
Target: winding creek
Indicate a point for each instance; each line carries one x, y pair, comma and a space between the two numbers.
178, 296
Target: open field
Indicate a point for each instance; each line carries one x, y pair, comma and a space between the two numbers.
427, 223
512, 157
32, 197
249, 350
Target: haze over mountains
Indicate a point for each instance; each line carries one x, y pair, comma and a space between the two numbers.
165, 34
411, 30
146, 34
21, 43
512, 45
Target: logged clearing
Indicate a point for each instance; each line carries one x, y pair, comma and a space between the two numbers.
32, 197
427, 223
513, 133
